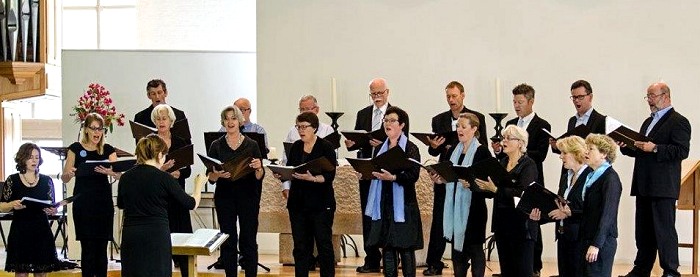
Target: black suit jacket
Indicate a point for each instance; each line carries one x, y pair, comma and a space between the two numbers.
442, 123
363, 121
537, 142
310, 196
572, 223
596, 123
144, 116
600, 206
659, 174
506, 219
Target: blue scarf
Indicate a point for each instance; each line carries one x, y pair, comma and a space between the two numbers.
374, 199
456, 213
592, 177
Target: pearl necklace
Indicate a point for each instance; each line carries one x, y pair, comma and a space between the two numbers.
26, 180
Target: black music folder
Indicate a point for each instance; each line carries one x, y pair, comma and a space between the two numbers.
260, 140
426, 137
537, 196
362, 137
442, 169
581, 131
394, 160
181, 128
287, 148
334, 139
490, 167
210, 137
139, 130
628, 136
120, 165
184, 156
315, 167
238, 167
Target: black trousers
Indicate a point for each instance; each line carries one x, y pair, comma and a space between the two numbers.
473, 253
307, 227
245, 211
515, 255
391, 262
93, 258
537, 254
373, 255
437, 243
655, 230
568, 256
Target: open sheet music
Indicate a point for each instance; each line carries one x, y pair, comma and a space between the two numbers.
209, 239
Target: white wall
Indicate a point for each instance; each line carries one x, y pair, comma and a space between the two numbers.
419, 46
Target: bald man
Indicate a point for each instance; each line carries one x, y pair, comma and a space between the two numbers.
370, 119
656, 182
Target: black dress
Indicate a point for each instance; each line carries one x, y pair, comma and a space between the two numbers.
144, 193
30, 245
406, 235
93, 211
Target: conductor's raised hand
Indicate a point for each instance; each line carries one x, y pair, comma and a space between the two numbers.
384, 175
436, 141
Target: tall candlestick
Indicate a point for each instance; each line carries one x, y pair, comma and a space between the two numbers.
498, 95
334, 94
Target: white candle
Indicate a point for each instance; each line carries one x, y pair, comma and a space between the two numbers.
334, 94
498, 95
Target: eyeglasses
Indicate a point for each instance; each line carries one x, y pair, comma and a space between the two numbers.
377, 94
302, 127
653, 96
309, 109
245, 110
578, 97
509, 138
96, 129
390, 120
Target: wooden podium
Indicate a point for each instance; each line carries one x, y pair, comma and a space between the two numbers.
689, 199
202, 242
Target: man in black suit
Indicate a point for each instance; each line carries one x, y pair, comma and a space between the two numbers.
156, 92
441, 123
656, 182
537, 145
370, 119
582, 97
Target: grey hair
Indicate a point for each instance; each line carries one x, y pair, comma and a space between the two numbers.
519, 133
163, 107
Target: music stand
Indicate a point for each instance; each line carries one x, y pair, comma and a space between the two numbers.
62, 153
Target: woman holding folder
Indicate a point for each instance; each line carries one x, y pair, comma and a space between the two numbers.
179, 220
311, 201
601, 200
30, 245
146, 193
392, 204
239, 199
93, 211
464, 220
568, 216
515, 233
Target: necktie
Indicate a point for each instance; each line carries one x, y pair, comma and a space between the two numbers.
521, 122
377, 120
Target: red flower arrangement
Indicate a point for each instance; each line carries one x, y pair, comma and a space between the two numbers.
97, 100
